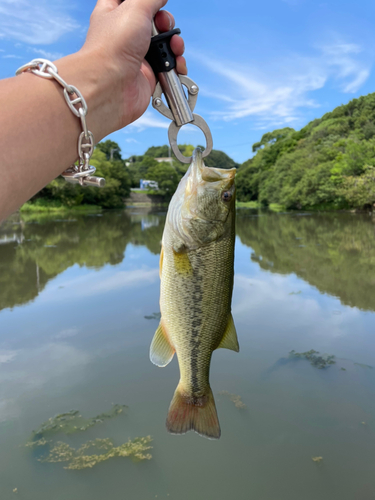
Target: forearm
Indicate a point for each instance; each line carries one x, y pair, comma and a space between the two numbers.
39, 133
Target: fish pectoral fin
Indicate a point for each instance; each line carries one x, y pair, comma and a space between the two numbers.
230, 340
161, 350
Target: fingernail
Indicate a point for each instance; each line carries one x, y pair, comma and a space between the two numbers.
170, 22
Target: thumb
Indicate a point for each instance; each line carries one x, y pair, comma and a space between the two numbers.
104, 6
149, 7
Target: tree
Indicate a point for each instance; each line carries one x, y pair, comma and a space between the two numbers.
360, 191
218, 159
111, 149
166, 177
308, 168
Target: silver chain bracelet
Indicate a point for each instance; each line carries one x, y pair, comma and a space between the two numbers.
81, 173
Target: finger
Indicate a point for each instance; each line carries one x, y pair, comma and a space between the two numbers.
177, 45
181, 65
164, 21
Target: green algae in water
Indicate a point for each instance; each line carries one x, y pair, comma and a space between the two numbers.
364, 366
82, 459
156, 316
315, 359
235, 398
90, 453
38, 442
71, 422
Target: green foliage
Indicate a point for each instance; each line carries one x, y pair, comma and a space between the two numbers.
117, 186
140, 165
111, 149
272, 137
166, 177
218, 159
158, 151
316, 166
360, 191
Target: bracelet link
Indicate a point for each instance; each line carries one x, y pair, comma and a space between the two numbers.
78, 100
81, 173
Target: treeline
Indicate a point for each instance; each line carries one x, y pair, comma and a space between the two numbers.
329, 163
123, 174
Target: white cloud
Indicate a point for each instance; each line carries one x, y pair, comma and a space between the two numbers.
149, 120
89, 285
340, 56
7, 356
11, 56
36, 23
257, 295
34, 369
52, 56
66, 334
131, 140
278, 94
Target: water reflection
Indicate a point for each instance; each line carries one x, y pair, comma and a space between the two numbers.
83, 343
34, 250
333, 252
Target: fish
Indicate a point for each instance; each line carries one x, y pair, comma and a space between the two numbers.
196, 272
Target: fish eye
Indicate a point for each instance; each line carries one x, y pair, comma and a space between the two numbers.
226, 196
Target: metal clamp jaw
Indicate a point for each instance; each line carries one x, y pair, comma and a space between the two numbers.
180, 109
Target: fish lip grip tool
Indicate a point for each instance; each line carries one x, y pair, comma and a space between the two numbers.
180, 109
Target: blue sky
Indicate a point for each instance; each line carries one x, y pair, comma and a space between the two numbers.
259, 65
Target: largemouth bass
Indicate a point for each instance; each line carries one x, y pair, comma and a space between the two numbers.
196, 270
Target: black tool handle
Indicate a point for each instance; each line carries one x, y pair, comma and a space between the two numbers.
160, 55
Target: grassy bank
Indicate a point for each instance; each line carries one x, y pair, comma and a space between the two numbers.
274, 207
47, 206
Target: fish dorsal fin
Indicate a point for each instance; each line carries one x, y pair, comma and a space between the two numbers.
161, 260
230, 340
161, 350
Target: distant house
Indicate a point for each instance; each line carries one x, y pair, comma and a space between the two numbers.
161, 160
144, 184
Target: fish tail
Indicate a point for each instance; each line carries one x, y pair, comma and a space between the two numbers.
187, 412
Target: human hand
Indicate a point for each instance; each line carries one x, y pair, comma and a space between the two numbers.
118, 40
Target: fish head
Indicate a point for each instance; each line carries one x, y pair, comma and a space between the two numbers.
203, 207
209, 192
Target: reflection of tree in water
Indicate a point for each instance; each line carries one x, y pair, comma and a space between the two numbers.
333, 252
49, 246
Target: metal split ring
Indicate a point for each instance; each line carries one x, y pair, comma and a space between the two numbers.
173, 133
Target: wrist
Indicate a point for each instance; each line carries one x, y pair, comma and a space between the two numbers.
99, 82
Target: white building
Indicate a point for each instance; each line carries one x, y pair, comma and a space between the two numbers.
145, 184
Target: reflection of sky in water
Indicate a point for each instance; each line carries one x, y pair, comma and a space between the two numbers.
83, 343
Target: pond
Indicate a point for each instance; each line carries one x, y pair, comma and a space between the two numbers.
79, 304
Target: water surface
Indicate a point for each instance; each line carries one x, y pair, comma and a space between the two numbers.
74, 296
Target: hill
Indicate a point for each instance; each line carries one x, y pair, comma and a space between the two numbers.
330, 162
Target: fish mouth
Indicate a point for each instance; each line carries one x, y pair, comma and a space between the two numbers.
198, 172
